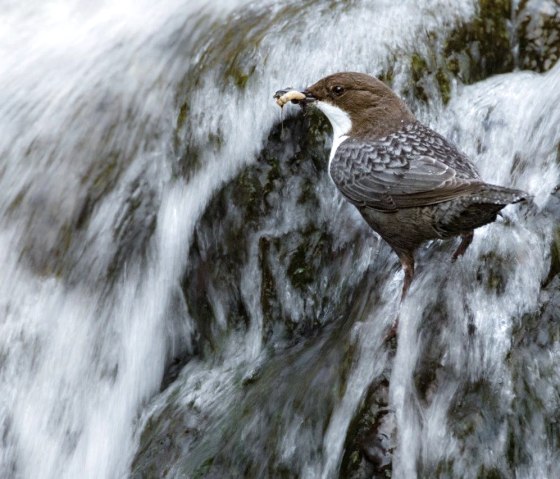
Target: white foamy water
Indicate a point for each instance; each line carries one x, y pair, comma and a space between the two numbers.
512, 116
96, 225
85, 91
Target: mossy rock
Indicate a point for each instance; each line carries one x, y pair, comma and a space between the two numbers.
482, 47
371, 437
237, 226
473, 51
539, 34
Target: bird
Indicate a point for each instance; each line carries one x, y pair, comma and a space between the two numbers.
409, 183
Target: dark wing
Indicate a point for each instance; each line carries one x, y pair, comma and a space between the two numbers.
388, 175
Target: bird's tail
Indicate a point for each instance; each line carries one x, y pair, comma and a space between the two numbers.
480, 208
499, 195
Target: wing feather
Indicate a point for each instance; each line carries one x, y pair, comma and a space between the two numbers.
397, 173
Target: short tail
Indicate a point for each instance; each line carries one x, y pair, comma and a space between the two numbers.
479, 208
499, 196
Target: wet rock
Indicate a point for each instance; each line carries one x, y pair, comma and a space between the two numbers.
538, 30
234, 237
493, 42
481, 48
178, 430
474, 50
371, 437
245, 434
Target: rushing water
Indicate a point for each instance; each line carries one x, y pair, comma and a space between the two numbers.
103, 184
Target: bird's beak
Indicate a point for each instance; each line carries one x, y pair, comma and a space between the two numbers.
287, 94
309, 97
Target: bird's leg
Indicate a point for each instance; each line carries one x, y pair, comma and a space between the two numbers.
407, 262
466, 240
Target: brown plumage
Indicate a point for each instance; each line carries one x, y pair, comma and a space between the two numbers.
409, 183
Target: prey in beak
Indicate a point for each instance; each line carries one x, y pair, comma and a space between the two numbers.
286, 95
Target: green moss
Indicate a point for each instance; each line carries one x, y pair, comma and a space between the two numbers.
419, 66
473, 51
106, 175
419, 70
308, 193
444, 85
476, 411
99, 179
240, 77
182, 117
183, 114
481, 47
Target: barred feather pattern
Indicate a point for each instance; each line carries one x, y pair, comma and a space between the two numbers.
414, 166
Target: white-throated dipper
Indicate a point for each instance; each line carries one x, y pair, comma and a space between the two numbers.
409, 183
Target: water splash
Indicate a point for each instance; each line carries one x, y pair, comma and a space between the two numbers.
488, 294
97, 225
87, 111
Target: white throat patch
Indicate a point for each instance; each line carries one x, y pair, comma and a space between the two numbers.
340, 121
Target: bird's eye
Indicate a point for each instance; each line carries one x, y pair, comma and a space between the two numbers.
337, 90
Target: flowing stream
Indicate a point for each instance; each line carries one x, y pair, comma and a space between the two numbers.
153, 325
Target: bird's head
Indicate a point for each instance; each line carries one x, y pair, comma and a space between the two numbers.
357, 104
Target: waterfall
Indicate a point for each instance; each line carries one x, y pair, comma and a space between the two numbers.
185, 294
